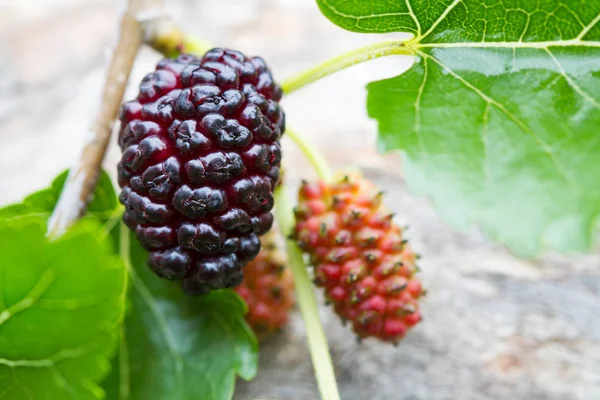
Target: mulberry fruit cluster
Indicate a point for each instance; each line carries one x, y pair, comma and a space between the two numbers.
359, 256
200, 159
267, 289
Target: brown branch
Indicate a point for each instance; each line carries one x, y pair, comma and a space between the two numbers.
83, 177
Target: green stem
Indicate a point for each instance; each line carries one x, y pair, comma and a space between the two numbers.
166, 37
314, 156
115, 216
125, 247
193, 45
346, 60
125, 253
317, 342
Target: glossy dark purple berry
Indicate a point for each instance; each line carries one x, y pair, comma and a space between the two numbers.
201, 158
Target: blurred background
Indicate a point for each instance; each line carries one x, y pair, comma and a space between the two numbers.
495, 326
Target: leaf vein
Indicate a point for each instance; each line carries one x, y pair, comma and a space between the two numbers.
525, 28
417, 125
547, 149
520, 45
68, 304
19, 384
46, 362
586, 29
485, 145
414, 17
574, 14
571, 82
62, 382
359, 18
146, 296
42, 285
439, 20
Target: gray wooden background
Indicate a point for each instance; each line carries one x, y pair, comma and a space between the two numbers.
496, 326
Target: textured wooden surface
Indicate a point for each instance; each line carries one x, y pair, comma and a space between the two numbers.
496, 327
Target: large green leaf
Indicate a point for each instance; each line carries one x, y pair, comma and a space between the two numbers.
61, 303
179, 347
499, 117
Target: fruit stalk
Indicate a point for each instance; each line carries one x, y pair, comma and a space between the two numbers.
83, 176
312, 154
165, 36
317, 341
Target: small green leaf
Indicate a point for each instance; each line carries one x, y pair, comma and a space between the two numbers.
14, 210
179, 347
104, 199
498, 118
61, 304
102, 207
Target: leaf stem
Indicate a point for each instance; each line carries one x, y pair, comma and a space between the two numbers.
317, 341
346, 60
312, 154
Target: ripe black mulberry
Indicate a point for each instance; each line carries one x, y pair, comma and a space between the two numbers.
201, 158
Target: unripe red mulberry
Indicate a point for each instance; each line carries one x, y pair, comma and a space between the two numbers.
201, 157
267, 289
359, 256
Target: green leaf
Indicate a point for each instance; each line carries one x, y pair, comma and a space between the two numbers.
102, 206
61, 304
499, 116
179, 347
104, 199
14, 210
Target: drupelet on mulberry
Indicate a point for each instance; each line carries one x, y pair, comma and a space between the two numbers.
201, 157
360, 257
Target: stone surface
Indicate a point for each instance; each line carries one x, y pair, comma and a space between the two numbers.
496, 326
